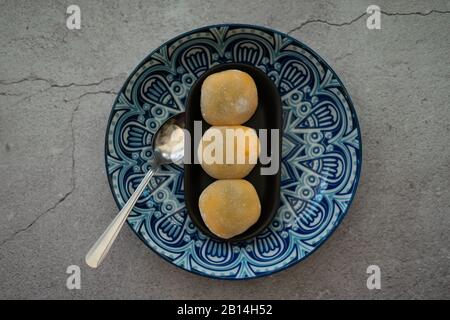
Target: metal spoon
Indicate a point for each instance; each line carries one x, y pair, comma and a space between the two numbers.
168, 147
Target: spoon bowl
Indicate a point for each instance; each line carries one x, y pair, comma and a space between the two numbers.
168, 144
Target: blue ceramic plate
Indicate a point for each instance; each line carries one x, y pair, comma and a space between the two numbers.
321, 152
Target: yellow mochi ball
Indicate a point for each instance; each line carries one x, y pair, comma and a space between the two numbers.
228, 98
228, 152
229, 207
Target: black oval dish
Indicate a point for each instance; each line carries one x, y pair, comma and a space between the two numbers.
268, 115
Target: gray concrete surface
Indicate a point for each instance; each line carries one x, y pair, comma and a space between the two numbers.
56, 91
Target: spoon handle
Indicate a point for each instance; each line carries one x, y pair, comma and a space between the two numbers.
101, 247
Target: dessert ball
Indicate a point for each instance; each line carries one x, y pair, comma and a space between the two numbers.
228, 152
229, 207
228, 98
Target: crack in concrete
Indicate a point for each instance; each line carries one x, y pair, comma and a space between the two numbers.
334, 24
65, 196
326, 22
7, 94
92, 93
73, 176
26, 79
32, 78
423, 14
53, 83
72, 128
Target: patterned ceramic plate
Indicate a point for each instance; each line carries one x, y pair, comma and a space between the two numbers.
321, 152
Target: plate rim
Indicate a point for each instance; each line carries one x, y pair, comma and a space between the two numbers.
354, 116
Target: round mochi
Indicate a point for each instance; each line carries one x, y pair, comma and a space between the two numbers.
228, 152
229, 207
228, 98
